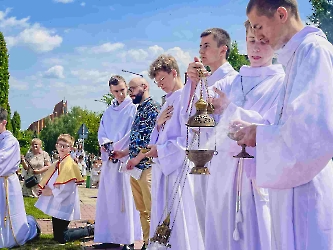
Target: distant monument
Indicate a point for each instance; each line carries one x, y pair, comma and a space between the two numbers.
59, 109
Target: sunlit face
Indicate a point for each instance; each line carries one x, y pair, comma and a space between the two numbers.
36, 146
269, 30
209, 52
119, 91
259, 52
63, 148
136, 91
166, 81
3, 126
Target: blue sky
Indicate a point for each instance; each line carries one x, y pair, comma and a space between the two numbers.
68, 49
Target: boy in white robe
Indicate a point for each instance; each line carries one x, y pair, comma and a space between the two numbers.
16, 227
214, 50
293, 156
167, 144
59, 194
251, 96
117, 222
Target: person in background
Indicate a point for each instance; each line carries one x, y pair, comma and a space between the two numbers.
35, 163
82, 166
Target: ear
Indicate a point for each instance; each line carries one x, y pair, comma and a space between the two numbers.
282, 14
174, 73
224, 49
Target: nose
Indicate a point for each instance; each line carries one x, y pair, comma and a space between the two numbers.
256, 48
201, 50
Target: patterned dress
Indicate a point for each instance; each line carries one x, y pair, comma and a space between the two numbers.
37, 162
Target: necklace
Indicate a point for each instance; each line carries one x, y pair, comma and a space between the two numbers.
244, 95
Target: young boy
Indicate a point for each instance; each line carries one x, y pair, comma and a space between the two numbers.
59, 194
96, 169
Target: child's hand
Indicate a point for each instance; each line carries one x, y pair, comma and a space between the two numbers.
47, 191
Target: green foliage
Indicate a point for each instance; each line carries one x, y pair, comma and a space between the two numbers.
235, 59
24, 139
4, 78
322, 16
16, 124
107, 99
70, 124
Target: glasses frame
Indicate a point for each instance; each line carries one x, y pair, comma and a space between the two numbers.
63, 146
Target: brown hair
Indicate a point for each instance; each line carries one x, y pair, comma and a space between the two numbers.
3, 114
67, 138
221, 36
114, 80
269, 7
247, 25
164, 63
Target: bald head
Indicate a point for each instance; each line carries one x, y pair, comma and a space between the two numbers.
138, 89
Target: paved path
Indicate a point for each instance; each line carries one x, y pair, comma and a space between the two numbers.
88, 197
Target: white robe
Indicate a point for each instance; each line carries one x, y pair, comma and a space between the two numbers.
260, 103
201, 181
170, 142
64, 203
294, 155
17, 228
117, 220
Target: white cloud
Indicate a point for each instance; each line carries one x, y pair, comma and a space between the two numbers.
34, 36
3, 14
138, 55
56, 71
17, 84
93, 76
181, 56
104, 48
37, 38
63, 1
83, 4
156, 50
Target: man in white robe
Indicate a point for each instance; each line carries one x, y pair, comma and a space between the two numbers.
117, 221
171, 191
16, 228
293, 156
250, 96
214, 50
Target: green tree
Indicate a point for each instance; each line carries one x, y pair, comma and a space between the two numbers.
16, 124
70, 124
235, 59
4, 78
24, 139
322, 16
107, 99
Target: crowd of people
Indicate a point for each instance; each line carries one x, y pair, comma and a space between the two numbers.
280, 200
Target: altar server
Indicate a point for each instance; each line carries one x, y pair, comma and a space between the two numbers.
60, 196
214, 50
15, 226
250, 96
293, 156
117, 222
167, 143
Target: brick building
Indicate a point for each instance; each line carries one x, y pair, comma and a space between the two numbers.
59, 109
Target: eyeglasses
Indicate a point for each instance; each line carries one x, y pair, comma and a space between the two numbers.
63, 146
131, 89
160, 81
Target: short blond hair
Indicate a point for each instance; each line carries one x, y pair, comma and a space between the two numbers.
67, 138
164, 63
36, 140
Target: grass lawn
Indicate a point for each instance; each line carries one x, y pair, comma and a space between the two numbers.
30, 208
46, 242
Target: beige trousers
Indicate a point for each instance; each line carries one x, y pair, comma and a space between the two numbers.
142, 198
